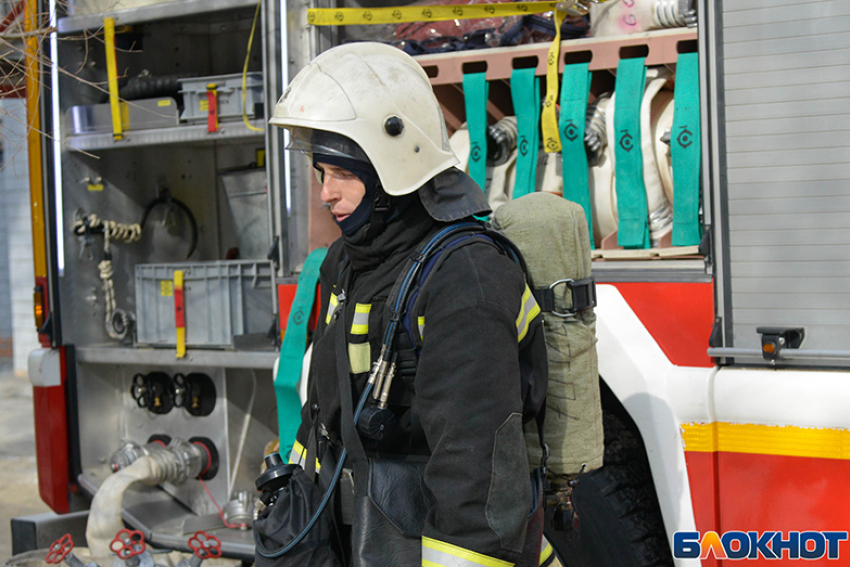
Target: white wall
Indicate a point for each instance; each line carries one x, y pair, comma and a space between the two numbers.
14, 185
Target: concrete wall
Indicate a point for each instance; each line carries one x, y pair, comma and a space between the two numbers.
14, 192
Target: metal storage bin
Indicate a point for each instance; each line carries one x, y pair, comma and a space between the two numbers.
221, 299
139, 115
249, 207
229, 90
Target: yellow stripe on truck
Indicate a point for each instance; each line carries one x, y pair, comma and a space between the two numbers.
784, 440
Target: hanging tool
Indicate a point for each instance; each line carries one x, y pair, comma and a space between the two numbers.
173, 204
118, 322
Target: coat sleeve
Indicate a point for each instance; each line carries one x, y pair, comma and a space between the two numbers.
474, 314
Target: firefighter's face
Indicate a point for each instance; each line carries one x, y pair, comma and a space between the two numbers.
341, 192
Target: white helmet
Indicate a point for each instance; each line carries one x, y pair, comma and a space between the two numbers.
379, 97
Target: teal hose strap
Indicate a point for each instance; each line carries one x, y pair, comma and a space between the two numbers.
292, 352
685, 152
476, 91
575, 88
525, 92
633, 227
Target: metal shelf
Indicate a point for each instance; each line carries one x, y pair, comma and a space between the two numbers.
662, 46
165, 357
162, 11
190, 134
651, 270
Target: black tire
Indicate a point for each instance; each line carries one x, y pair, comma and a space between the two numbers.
620, 521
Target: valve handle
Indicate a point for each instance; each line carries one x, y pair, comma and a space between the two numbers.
60, 549
179, 390
128, 543
140, 390
204, 545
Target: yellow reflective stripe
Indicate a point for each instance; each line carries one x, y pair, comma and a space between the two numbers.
527, 313
360, 357
545, 550
360, 325
332, 305
421, 323
298, 456
781, 440
437, 553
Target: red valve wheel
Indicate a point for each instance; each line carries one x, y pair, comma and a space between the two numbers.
128, 543
60, 549
205, 545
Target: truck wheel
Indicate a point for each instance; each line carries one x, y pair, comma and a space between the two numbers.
620, 521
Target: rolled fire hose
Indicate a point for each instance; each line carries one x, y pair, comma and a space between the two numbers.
603, 179
662, 124
601, 175
623, 18
501, 177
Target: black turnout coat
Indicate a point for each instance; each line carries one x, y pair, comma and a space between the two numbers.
458, 405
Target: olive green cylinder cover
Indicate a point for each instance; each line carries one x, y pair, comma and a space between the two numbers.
552, 234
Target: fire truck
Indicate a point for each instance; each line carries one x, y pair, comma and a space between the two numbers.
722, 361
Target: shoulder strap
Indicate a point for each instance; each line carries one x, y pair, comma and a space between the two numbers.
433, 263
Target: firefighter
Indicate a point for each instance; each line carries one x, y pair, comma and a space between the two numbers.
442, 479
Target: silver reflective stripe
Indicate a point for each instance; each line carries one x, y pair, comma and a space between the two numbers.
298, 454
360, 325
332, 306
295, 458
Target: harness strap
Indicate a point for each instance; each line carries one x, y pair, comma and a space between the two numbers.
583, 296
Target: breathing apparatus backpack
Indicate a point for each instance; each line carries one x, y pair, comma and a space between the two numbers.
553, 236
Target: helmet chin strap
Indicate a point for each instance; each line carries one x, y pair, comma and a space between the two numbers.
380, 210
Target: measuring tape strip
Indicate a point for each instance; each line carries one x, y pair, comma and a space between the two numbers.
551, 139
404, 14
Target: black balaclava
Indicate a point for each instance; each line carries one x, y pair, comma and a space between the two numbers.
376, 209
365, 173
